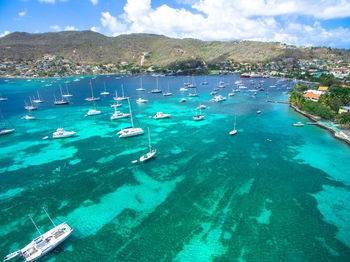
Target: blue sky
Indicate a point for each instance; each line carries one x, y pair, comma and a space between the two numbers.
297, 22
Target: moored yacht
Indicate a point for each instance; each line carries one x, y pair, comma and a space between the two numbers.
27, 117
43, 244
161, 115
5, 131
198, 117
93, 112
151, 152
38, 101
61, 133
141, 100
218, 98
92, 98
183, 89
120, 98
130, 131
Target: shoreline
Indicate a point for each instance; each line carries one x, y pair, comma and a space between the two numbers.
340, 135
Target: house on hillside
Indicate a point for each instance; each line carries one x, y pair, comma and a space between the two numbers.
311, 96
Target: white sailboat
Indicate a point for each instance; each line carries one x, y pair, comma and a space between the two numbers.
199, 117
62, 101
157, 90
68, 94
93, 112
118, 115
92, 98
38, 101
234, 131
3, 98
4, 130
151, 152
104, 93
168, 93
140, 88
30, 107
130, 131
43, 244
120, 98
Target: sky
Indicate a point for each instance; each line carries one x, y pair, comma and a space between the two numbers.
296, 22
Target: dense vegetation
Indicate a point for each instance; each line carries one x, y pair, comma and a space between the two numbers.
328, 105
147, 49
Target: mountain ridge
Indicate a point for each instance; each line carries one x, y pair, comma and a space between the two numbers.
150, 49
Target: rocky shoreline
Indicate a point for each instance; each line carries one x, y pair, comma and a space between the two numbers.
317, 120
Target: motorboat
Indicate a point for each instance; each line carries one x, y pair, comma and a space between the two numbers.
93, 112
183, 100
141, 100
298, 124
161, 115
156, 90
61, 133
116, 104
218, 98
201, 107
193, 94
28, 117
182, 89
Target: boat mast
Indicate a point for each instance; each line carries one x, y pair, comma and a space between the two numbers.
149, 141
61, 92
122, 90
34, 224
92, 93
234, 125
67, 89
38, 94
49, 217
132, 122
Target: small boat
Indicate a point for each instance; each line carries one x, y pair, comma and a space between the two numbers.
182, 89
38, 101
93, 112
193, 94
234, 131
116, 104
120, 98
68, 94
258, 112
218, 98
156, 91
104, 93
140, 88
45, 138
298, 124
30, 107
61, 133
151, 152
43, 244
5, 131
92, 98
201, 107
28, 117
130, 131
198, 117
204, 83
119, 115
141, 100
231, 94
161, 115
3, 98
168, 94
213, 93
183, 100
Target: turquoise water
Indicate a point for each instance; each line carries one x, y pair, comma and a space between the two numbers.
272, 192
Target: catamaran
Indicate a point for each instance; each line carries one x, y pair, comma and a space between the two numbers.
151, 152
92, 98
130, 131
234, 131
38, 101
120, 98
43, 244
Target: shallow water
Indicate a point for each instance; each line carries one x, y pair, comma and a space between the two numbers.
272, 192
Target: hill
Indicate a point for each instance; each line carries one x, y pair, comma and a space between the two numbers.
148, 49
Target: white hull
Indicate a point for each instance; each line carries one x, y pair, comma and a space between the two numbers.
6, 131
93, 112
119, 116
129, 132
148, 156
60, 133
233, 132
90, 99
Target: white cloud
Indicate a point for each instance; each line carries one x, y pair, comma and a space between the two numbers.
55, 27
94, 2
23, 13
70, 28
260, 20
48, 1
4, 33
95, 29
111, 22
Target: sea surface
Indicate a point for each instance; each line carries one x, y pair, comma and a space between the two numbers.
272, 192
